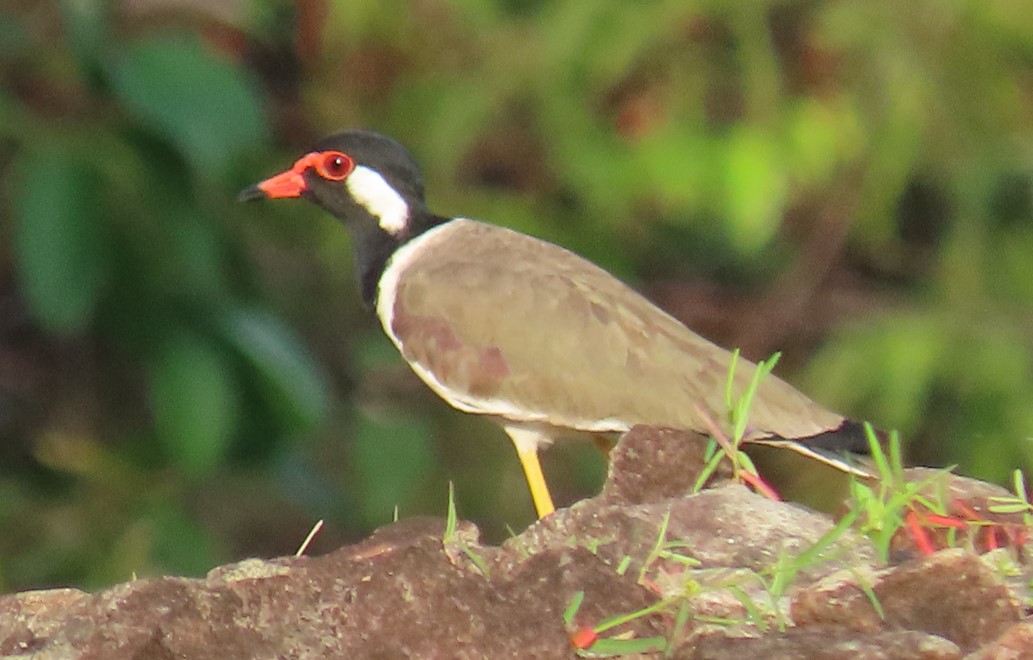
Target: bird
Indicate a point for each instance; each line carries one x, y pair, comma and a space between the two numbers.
509, 326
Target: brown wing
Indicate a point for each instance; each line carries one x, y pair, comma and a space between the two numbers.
500, 323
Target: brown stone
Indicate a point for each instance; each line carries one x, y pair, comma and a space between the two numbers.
952, 594
826, 643
411, 590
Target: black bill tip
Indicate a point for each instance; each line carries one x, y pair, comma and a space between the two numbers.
251, 193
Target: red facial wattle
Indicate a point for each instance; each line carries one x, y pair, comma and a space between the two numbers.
330, 165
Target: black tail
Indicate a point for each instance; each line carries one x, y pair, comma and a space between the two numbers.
832, 447
848, 436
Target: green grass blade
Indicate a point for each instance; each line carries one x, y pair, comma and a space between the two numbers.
451, 518
573, 607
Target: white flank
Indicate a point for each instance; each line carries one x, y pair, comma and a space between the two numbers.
387, 291
378, 197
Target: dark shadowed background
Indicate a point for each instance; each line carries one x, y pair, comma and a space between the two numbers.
185, 380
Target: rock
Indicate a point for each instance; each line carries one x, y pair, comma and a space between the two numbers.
1015, 644
826, 643
719, 574
951, 594
652, 464
725, 527
397, 594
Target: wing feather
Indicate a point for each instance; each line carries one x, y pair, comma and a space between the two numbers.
501, 323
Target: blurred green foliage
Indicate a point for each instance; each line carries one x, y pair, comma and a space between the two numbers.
185, 381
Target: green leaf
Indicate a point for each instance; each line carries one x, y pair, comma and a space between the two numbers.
180, 544
820, 135
190, 259
86, 24
290, 380
15, 37
60, 239
391, 457
755, 190
15, 121
195, 400
201, 104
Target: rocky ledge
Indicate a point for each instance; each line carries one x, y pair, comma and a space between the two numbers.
645, 569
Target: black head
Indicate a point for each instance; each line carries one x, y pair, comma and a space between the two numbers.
352, 174
368, 181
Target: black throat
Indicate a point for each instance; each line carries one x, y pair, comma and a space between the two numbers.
372, 246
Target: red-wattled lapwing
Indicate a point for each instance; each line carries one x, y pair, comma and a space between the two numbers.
502, 324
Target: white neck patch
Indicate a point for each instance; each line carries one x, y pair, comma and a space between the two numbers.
378, 197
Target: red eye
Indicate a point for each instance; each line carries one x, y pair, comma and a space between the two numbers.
334, 165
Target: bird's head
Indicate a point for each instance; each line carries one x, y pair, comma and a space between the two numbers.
367, 180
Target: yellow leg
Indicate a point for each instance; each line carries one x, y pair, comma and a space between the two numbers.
526, 442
